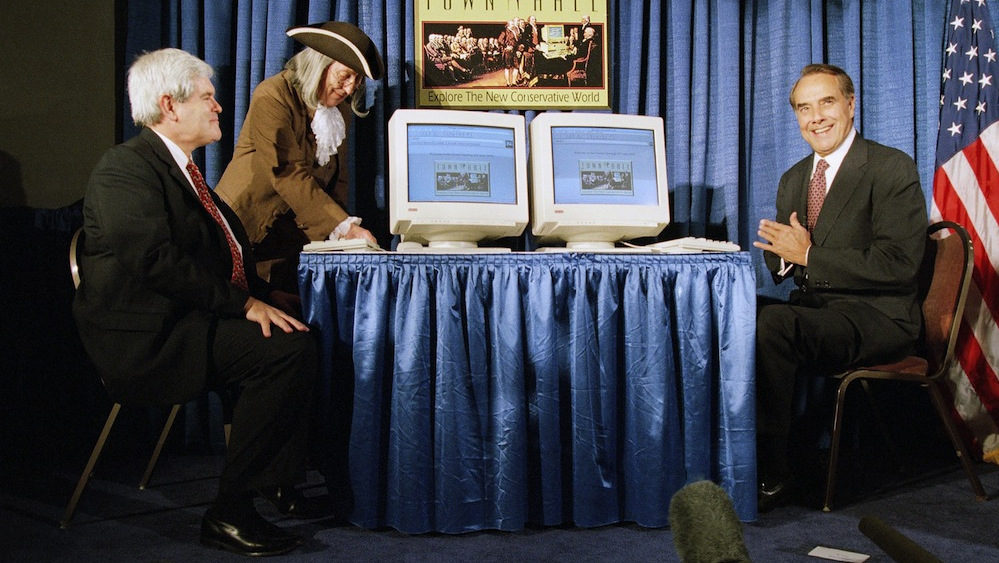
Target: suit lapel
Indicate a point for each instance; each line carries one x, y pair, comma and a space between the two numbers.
162, 153
842, 189
190, 198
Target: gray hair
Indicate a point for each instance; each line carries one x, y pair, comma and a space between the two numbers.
307, 69
842, 79
170, 72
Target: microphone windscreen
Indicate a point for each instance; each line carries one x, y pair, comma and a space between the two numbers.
704, 525
894, 543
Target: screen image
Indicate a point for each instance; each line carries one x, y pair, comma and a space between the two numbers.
461, 163
552, 32
604, 165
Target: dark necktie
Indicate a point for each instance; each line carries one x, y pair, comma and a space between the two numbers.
816, 192
238, 274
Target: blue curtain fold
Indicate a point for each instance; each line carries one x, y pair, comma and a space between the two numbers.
495, 391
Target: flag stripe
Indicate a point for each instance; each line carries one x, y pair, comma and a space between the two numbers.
990, 140
979, 372
986, 207
955, 197
983, 326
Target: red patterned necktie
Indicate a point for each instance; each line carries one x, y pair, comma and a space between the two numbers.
816, 192
238, 274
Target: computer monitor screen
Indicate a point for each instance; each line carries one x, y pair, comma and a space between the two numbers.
457, 177
551, 33
597, 178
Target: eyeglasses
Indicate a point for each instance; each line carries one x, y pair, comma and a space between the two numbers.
346, 79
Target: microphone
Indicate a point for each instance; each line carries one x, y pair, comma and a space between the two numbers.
705, 526
894, 543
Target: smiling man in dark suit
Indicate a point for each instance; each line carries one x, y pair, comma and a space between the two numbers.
170, 304
850, 230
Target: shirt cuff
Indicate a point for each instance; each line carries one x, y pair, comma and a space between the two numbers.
341, 230
785, 267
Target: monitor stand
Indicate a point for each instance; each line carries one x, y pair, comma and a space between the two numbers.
447, 247
592, 247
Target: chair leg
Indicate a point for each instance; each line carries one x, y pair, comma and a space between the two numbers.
955, 438
89, 468
834, 446
159, 447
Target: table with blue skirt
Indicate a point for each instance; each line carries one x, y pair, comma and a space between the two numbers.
494, 391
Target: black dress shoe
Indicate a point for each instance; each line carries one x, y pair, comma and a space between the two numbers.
291, 502
774, 494
247, 535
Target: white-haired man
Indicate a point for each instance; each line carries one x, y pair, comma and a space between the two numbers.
170, 303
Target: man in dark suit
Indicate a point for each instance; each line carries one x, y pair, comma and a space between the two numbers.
850, 230
170, 304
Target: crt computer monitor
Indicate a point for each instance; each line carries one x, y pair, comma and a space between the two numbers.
597, 178
457, 177
552, 33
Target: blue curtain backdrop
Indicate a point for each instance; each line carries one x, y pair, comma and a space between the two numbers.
717, 71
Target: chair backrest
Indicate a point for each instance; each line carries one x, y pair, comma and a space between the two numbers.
74, 264
947, 266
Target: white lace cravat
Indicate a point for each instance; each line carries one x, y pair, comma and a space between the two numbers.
329, 128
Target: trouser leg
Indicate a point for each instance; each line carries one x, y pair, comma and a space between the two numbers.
275, 378
794, 341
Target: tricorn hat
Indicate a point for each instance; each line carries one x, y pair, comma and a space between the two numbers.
342, 42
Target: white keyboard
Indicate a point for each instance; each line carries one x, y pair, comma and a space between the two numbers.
342, 245
690, 245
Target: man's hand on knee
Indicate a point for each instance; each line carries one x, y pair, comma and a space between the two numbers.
265, 315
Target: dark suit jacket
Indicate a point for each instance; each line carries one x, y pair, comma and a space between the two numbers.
155, 270
870, 235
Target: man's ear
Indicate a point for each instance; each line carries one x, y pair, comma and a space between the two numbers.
166, 107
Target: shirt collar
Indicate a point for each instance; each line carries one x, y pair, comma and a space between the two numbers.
835, 158
175, 151
178, 155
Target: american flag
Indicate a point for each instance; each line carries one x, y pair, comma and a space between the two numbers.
966, 191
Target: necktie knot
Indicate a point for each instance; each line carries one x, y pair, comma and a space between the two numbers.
816, 193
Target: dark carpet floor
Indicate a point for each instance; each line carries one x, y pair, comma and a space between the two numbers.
117, 522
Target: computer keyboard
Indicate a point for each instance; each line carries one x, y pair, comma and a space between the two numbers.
342, 245
689, 245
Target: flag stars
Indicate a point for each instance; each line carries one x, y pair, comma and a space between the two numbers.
986, 80
967, 78
957, 23
946, 74
961, 103
976, 26
951, 48
972, 52
955, 129
990, 55
980, 108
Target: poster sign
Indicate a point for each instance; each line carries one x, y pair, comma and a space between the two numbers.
511, 54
